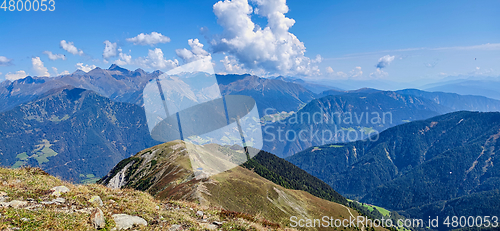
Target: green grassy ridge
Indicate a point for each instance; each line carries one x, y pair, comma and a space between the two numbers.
23, 183
284, 173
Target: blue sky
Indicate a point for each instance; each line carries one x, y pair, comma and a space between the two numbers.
401, 41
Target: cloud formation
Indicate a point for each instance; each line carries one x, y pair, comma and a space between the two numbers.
379, 73
69, 47
18, 75
356, 72
53, 56
155, 60
196, 53
39, 68
4, 61
109, 50
123, 59
232, 66
85, 68
56, 73
385, 61
273, 48
149, 39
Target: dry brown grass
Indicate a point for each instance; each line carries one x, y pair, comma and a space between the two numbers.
25, 183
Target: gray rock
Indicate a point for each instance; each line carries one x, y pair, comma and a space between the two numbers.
59, 190
59, 200
199, 213
124, 221
212, 226
17, 204
218, 223
97, 218
3, 196
96, 200
175, 228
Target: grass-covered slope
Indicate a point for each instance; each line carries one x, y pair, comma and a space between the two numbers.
289, 176
32, 187
165, 172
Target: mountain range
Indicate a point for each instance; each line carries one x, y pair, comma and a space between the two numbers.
72, 133
487, 87
116, 83
416, 152
445, 165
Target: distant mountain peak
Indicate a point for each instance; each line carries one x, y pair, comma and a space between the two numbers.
79, 72
115, 67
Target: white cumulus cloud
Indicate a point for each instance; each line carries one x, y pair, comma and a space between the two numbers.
149, 39
196, 53
109, 50
18, 75
232, 66
53, 56
4, 61
155, 60
39, 68
384, 61
379, 73
123, 59
56, 72
85, 68
273, 48
69, 47
356, 73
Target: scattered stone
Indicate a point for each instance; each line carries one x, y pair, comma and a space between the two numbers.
97, 218
124, 221
24, 219
158, 207
59, 200
17, 204
212, 226
199, 213
3, 196
84, 210
96, 200
218, 223
59, 190
175, 228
